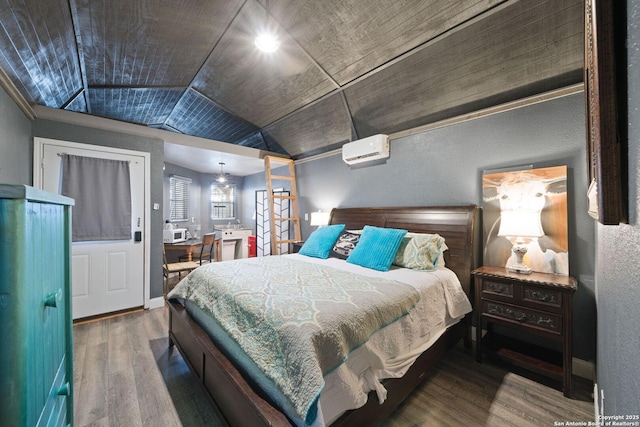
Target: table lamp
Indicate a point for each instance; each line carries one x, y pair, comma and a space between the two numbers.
318, 219
521, 227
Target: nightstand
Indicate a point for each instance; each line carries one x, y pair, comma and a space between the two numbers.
536, 303
295, 247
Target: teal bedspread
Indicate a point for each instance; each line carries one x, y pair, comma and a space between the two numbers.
296, 320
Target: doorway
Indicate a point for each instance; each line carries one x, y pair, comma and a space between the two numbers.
109, 275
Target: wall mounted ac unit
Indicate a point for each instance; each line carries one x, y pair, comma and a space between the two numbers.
367, 149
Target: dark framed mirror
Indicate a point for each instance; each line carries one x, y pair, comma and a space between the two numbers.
606, 108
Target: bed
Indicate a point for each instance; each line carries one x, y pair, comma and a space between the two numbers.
243, 402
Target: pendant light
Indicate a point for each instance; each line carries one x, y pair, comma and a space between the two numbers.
267, 40
222, 177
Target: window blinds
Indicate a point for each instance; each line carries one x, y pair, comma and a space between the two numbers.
179, 198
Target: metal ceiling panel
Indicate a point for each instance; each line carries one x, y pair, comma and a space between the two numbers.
145, 106
37, 50
196, 115
255, 140
149, 42
262, 141
349, 38
78, 104
344, 66
519, 50
258, 87
322, 125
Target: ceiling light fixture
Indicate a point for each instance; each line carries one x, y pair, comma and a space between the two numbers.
267, 40
222, 177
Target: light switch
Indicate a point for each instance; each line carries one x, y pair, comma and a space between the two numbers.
156, 206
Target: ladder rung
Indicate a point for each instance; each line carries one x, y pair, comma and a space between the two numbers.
275, 159
290, 178
293, 203
288, 241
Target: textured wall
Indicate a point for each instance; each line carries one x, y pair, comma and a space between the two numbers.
16, 154
200, 196
195, 189
74, 133
444, 166
617, 275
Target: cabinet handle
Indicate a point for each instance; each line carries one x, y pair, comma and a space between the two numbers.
51, 300
64, 390
522, 317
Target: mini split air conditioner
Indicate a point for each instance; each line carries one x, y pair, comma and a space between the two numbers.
367, 149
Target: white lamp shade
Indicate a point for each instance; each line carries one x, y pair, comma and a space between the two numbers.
520, 224
319, 218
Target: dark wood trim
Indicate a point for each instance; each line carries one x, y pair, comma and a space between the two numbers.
241, 401
606, 106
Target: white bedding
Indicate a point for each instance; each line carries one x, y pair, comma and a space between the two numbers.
391, 351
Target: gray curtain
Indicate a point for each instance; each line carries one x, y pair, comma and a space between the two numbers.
102, 191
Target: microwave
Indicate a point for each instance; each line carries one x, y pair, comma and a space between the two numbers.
176, 235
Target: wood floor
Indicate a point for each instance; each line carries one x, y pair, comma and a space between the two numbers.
126, 375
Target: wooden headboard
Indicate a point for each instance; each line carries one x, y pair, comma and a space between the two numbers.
457, 224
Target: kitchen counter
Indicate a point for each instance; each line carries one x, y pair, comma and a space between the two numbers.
239, 236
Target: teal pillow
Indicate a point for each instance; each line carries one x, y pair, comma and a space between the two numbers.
321, 241
377, 247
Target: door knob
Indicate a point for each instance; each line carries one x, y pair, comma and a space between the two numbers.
51, 300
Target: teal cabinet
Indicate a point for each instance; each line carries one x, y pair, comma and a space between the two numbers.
36, 360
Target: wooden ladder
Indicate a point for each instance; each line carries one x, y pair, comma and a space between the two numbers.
269, 162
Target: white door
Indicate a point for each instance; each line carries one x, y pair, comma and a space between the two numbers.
107, 276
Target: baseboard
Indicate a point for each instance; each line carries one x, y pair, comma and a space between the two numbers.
156, 303
581, 368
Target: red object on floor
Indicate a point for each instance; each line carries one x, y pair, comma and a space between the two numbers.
252, 246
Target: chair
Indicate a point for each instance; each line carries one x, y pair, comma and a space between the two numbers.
210, 245
175, 267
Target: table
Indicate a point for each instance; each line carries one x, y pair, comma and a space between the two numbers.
188, 247
537, 303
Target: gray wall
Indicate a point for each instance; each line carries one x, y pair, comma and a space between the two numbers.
200, 194
195, 190
617, 275
16, 150
444, 166
74, 133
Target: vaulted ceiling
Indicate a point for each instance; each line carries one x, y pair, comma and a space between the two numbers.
346, 69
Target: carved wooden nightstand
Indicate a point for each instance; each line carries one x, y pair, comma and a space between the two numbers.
295, 247
537, 303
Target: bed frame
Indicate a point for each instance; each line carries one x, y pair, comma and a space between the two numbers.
241, 403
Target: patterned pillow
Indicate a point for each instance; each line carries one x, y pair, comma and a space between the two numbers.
419, 251
320, 242
377, 247
345, 244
